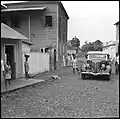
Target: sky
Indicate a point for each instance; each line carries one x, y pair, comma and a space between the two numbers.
91, 20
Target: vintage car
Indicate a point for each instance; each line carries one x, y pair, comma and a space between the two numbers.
97, 65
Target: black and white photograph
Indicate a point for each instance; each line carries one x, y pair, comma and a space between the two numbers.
59, 59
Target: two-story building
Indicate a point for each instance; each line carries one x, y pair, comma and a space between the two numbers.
13, 44
43, 22
117, 36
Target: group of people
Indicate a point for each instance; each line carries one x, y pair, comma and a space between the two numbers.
6, 70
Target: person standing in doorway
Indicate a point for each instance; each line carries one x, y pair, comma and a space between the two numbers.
26, 65
7, 73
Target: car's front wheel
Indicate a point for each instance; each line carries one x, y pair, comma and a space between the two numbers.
83, 76
108, 78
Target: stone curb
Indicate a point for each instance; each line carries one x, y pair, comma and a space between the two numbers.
11, 90
47, 74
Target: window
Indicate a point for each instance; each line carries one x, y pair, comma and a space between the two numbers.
48, 21
60, 19
15, 22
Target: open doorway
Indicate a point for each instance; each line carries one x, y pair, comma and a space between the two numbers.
9, 51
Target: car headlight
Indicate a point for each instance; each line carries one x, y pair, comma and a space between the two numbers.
108, 67
87, 65
103, 66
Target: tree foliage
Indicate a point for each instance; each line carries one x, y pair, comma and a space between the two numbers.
94, 46
75, 42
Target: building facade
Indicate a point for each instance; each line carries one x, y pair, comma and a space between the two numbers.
110, 47
117, 36
11, 50
43, 22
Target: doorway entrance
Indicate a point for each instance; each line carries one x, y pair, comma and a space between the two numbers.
10, 57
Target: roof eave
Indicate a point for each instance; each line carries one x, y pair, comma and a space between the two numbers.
60, 3
27, 42
23, 9
3, 5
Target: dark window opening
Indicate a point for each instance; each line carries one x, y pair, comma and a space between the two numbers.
48, 21
15, 22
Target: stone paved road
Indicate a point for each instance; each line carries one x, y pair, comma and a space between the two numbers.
68, 97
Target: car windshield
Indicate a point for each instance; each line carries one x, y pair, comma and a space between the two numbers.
97, 56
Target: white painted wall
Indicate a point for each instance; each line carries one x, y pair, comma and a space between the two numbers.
38, 62
111, 50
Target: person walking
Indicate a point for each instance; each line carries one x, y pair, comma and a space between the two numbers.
63, 61
26, 65
117, 64
68, 60
75, 65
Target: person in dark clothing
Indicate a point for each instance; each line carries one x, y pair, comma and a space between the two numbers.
117, 64
26, 65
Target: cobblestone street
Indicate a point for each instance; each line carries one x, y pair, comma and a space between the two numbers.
68, 97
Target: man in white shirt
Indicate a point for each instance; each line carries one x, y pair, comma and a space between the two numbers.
75, 65
2, 65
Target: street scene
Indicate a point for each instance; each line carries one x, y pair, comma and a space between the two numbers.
51, 67
69, 96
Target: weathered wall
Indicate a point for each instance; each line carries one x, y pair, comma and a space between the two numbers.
62, 34
38, 62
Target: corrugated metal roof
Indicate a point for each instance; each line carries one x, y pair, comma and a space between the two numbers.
7, 32
23, 9
3, 6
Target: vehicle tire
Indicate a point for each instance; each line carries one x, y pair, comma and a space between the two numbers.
110, 72
108, 78
83, 76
